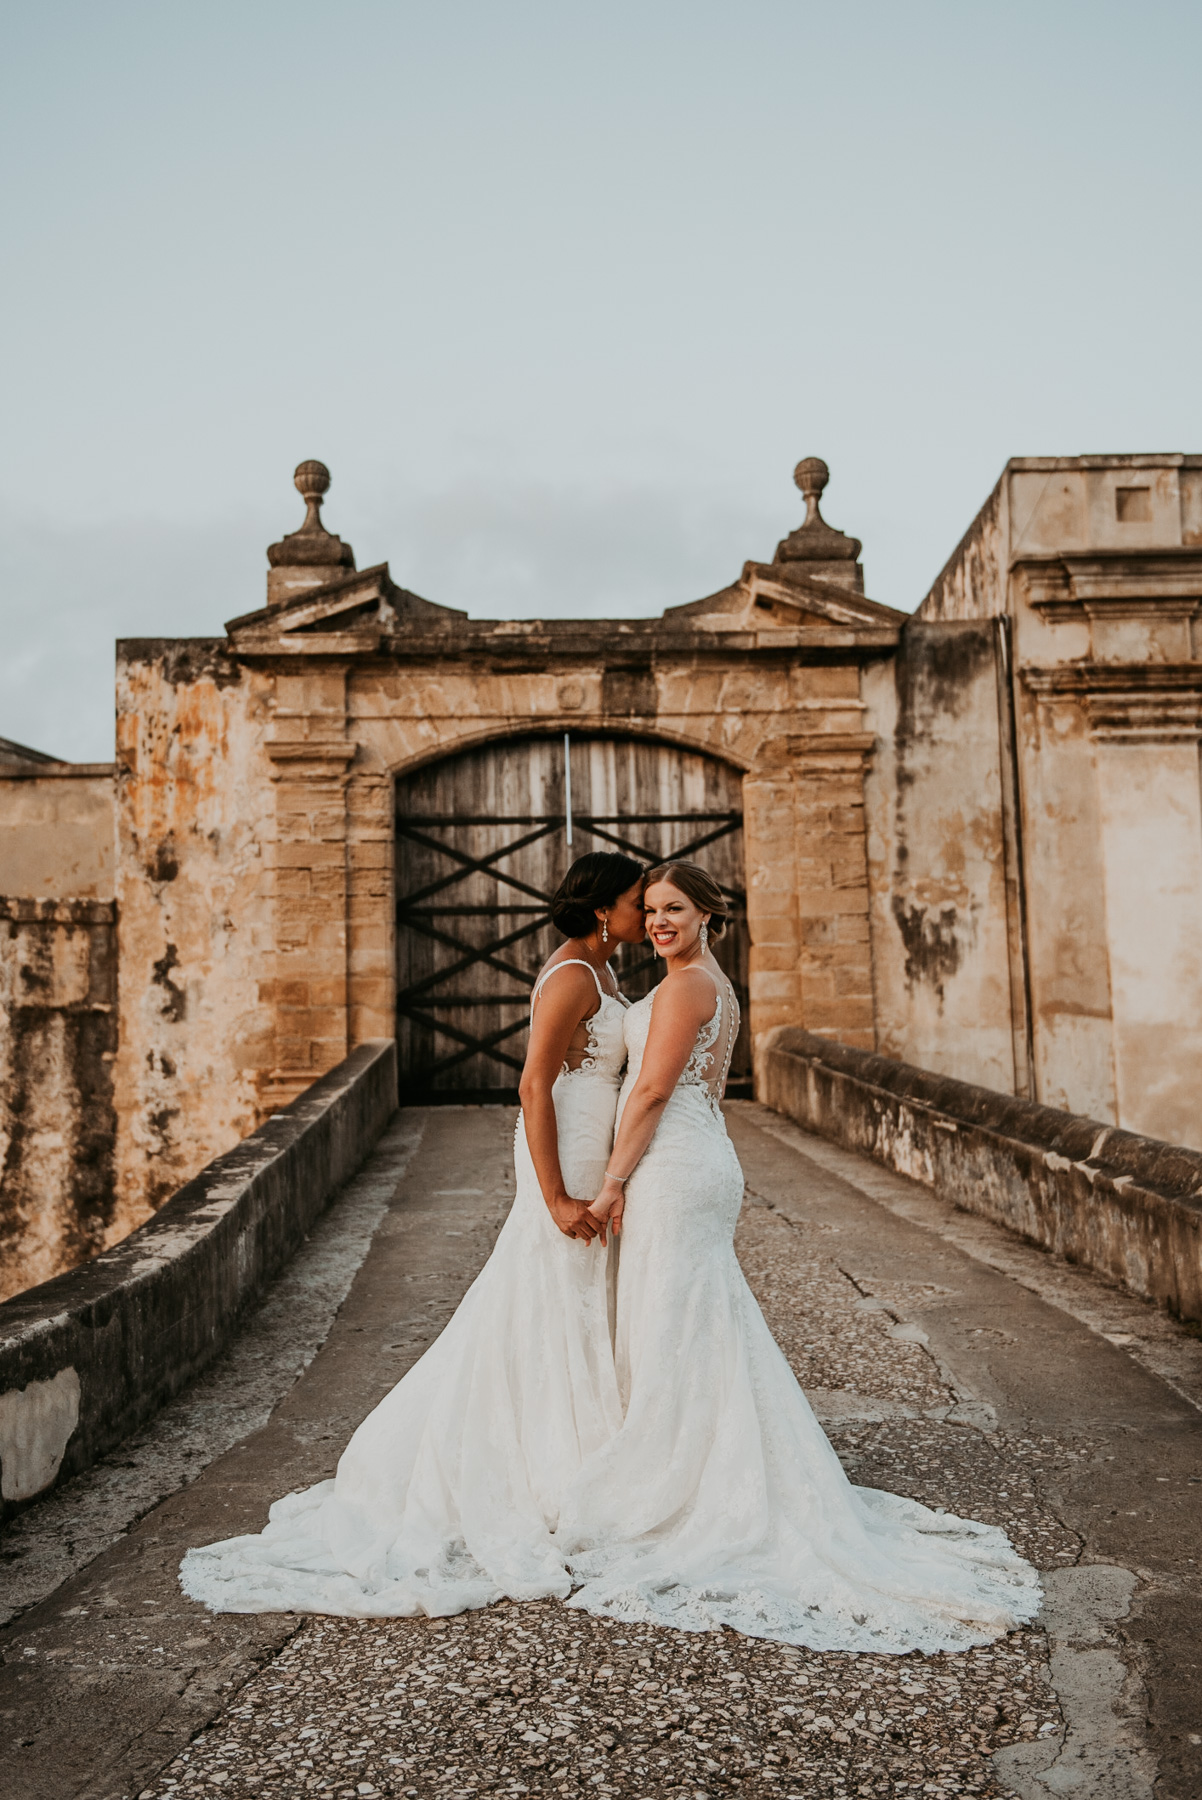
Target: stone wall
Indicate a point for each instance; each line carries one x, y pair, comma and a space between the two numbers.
87, 1357
973, 837
256, 793
1127, 1206
58, 1037
1082, 840
196, 946
58, 1013
56, 830
947, 945
256, 848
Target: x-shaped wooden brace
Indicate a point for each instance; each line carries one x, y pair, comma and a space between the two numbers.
408, 913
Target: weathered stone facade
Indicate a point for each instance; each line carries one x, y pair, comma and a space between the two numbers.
58, 1020
1036, 812
255, 809
972, 836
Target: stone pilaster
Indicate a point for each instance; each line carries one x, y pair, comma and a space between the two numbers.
832, 887
371, 923
773, 921
308, 990
807, 886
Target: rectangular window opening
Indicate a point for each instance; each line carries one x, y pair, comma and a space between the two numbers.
1133, 505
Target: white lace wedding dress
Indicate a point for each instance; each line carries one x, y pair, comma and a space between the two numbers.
448, 1495
720, 1501
689, 1486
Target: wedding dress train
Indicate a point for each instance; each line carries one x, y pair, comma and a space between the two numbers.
677, 1478
448, 1495
720, 1501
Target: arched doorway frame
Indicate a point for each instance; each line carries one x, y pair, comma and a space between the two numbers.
456, 959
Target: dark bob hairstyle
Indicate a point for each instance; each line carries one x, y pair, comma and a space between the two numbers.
697, 885
592, 881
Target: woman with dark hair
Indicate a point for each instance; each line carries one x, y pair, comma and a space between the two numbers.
720, 1501
448, 1495
576, 1028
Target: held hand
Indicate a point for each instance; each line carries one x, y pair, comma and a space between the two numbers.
574, 1220
609, 1206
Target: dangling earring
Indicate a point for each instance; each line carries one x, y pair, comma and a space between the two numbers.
605, 931
705, 938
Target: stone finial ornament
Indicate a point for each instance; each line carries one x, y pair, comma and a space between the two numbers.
810, 476
311, 546
815, 540
312, 481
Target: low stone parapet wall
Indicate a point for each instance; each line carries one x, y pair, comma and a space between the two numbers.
86, 1357
1128, 1206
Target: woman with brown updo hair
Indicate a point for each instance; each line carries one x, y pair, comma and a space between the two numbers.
720, 1501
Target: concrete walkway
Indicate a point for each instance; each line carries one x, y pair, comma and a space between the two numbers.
947, 1360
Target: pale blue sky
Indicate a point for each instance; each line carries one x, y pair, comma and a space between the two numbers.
561, 292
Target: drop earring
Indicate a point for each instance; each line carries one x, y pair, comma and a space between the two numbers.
605, 931
705, 938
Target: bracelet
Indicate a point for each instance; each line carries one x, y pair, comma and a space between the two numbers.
620, 1179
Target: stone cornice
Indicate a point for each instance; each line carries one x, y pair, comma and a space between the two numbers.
1061, 585
1127, 702
306, 759
56, 771
813, 750
568, 644
365, 615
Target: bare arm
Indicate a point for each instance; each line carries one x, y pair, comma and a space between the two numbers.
564, 1001
682, 1006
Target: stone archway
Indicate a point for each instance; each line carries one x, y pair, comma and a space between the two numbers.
260, 771
482, 840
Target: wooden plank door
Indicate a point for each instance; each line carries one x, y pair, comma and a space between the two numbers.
481, 847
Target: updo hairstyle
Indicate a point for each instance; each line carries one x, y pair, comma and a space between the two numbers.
697, 885
597, 879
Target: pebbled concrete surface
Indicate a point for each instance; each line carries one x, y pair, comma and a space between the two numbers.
1099, 1751
947, 1360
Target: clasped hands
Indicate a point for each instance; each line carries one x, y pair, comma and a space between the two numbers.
575, 1219
584, 1221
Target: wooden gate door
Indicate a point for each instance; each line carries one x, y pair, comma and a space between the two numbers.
482, 844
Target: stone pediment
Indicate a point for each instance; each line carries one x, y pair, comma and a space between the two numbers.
778, 596
809, 597
353, 614
812, 590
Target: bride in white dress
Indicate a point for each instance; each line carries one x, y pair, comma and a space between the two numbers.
673, 1474
447, 1496
720, 1500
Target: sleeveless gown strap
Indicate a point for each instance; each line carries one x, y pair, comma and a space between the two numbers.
569, 962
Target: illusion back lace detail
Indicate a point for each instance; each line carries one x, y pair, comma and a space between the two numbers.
605, 1051
715, 1045
709, 1060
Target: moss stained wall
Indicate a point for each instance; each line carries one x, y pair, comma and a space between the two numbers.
937, 855
58, 1035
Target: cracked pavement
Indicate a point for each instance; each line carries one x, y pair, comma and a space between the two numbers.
946, 1359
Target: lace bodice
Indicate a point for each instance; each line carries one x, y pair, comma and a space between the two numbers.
709, 1061
605, 1052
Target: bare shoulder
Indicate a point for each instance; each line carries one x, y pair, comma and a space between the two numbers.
687, 995
564, 985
